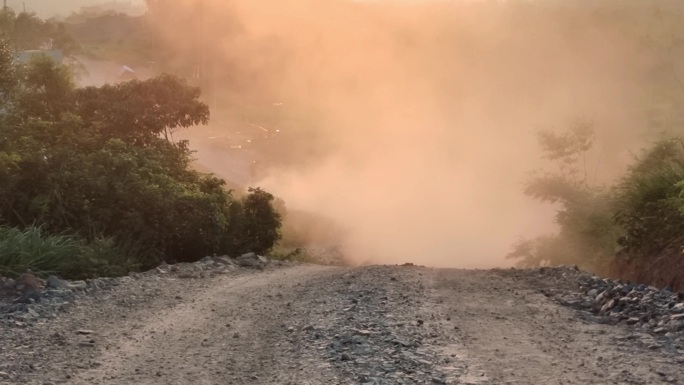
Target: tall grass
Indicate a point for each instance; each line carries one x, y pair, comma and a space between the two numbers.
649, 200
65, 255
650, 207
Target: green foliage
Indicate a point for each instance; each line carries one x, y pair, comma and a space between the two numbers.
113, 36
65, 255
46, 91
101, 163
635, 228
587, 237
258, 223
138, 112
26, 31
651, 198
8, 73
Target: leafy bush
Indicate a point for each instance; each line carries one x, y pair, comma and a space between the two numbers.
65, 255
650, 200
587, 237
28, 32
258, 223
101, 163
587, 234
633, 230
650, 207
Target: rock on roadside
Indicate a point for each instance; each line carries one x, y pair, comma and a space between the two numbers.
659, 312
251, 260
29, 299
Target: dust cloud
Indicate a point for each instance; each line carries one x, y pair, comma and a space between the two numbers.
427, 110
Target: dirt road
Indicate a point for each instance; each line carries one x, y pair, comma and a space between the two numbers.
328, 325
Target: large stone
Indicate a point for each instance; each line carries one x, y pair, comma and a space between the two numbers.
248, 256
7, 283
249, 260
224, 260
56, 283
78, 285
28, 283
608, 305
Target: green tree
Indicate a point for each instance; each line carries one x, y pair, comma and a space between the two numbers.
650, 200
8, 73
101, 162
139, 112
258, 223
26, 31
46, 92
587, 233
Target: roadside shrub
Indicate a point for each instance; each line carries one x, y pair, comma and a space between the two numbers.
587, 235
650, 200
255, 223
633, 230
101, 163
65, 255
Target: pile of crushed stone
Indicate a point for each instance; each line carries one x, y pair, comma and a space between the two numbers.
653, 310
29, 299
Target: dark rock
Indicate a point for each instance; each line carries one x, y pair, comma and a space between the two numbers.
250, 260
78, 285
56, 283
612, 302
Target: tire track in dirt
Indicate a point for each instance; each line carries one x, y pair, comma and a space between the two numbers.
376, 325
235, 332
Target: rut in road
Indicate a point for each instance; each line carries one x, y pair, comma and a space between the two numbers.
328, 325
234, 332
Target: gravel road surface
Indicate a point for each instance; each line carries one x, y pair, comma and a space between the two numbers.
307, 324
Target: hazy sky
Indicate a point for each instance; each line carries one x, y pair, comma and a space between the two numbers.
48, 8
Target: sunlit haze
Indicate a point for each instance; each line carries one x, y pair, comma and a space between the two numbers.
427, 111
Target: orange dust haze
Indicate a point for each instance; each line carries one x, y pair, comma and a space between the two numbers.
424, 112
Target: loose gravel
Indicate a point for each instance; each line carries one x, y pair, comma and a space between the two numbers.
253, 321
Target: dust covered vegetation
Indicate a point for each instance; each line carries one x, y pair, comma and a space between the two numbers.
92, 182
616, 216
633, 228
